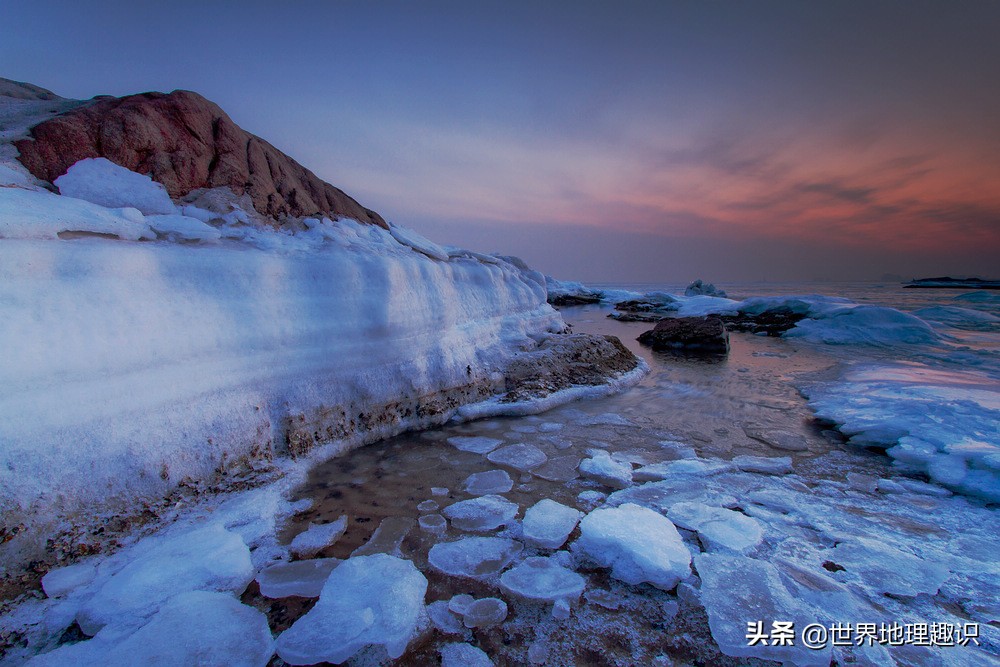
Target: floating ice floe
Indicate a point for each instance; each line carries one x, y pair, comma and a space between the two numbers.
483, 513
477, 444
719, 529
660, 471
368, 600
433, 523
484, 612
429, 506
604, 469
547, 523
520, 456
209, 558
543, 579
638, 544
317, 537
301, 578
474, 557
192, 628
464, 655
489, 482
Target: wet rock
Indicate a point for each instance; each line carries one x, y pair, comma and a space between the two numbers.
771, 322
691, 334
700, 288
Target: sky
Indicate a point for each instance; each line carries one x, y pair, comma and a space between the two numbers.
599, 141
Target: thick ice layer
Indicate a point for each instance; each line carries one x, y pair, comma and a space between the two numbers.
719, 529
194, 628
101, 181
210, 558
368, 600
638, 544
318, 537
942, 423
302, 578
139, 365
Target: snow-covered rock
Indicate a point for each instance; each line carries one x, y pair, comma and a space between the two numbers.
547, 523
638, 544
483, 513
473, 557
367, 600
101, 181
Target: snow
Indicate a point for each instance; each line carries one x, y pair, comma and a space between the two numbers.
547, 523
479, 514
476, 444
413, 240
367, 600
209, 558
38, 214
520, 456
60, 581
102, 182
489, 482
301, 578
315, 537
464, 655
934, 421
183, 228
607, 471
638, 544
473, 557
719, 529
538, 578
193, 628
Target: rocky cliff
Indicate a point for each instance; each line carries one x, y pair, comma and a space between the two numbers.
185, 142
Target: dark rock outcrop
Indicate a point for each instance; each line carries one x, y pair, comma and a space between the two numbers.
771, 322
563, 300
689, 334
186, 143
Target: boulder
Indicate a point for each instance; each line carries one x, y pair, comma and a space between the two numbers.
694, 334
187, 143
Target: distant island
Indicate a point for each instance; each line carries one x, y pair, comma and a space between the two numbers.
947, 282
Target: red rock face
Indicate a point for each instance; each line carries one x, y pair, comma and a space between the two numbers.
185, 142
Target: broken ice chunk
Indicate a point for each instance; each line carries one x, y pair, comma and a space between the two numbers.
491, 481
464, 655
439, 491
539, 578
368, 600
604, 469
387, 537
638, 544
718, 529
590, 499
428, 506
476, 444
485, 612
318, 537
768, 465
473, 557
483, 513
547, 523
302, 578
443, 618
559, 468
521, 456
459, 604
885, 569
433, 523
